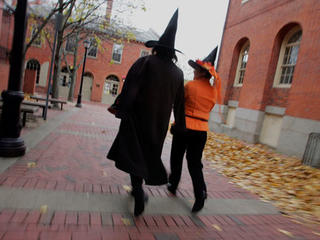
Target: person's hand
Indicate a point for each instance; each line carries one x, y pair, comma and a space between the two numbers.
112, 110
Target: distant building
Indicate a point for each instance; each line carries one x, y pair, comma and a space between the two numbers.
104, 72
270, 67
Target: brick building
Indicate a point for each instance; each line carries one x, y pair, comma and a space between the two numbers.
270, 67
105, 66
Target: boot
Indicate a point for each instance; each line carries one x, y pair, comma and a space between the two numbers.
140, 198
171, 189
199, 203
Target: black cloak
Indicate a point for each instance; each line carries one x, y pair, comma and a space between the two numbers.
153, 87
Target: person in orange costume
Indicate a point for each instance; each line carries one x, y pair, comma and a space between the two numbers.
200, 98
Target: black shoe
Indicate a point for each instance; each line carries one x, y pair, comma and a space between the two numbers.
140, 198
171, 189
199, 203
146, 197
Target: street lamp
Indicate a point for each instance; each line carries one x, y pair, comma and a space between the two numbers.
11, 145
86, 44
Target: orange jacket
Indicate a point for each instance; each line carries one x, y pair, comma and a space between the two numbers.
199, 100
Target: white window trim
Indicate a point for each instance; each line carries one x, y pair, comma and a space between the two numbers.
93, 57
236, 82
68, 52
276, 81
34, 43
121, 53
244, 1
143, 50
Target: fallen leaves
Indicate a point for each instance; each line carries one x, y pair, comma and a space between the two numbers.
218, 228
43, 209
31, 164
127, 188
291, 186
285, 232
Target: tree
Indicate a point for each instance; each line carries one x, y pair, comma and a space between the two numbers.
81, 19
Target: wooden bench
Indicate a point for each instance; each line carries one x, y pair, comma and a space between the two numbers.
24, 110
52, 100
34, 104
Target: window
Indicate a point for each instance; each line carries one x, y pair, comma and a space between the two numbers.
65, 78
93, 49
288, 58
34, 65
242, 64
70, 45
144, 53
37, 40
111, 85
117, 52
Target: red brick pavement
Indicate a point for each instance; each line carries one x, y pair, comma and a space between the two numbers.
72, 158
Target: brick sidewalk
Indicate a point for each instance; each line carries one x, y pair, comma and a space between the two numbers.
71, 159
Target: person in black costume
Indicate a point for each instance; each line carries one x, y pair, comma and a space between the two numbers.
154, 86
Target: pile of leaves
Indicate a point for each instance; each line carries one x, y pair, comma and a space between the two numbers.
291, 186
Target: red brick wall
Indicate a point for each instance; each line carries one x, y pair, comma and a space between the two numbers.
264, 23
100, 67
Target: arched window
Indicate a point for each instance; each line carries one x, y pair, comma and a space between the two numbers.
34, 65
111, 85
242, 64
288, 58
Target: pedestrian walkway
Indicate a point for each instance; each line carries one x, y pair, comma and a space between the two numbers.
65, 188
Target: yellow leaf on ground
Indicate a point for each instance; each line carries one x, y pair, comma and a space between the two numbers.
43, 209
126, 221
127, 188
316, 233
31, 164
285, 232
217, 227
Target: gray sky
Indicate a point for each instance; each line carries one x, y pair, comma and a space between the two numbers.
200, 25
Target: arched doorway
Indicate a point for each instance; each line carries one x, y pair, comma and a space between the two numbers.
31, 76
87, 86
110, 89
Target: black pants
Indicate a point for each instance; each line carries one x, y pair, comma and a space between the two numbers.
136, 183
192, 142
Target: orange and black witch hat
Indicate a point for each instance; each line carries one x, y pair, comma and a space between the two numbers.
208, 65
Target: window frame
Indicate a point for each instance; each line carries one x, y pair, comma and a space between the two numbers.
34, 43
93, 44
144, 50
113, 49
245, 46
284, 44
73, 38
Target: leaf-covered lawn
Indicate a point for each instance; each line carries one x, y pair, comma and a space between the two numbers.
294, 188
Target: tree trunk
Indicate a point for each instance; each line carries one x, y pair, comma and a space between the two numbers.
57, 68
74, 72
57, 60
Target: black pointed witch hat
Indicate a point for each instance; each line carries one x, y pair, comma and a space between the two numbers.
209, 59
168, 37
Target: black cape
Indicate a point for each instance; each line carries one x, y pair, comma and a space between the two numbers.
153, 87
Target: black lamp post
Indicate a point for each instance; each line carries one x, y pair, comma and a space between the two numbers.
11, 145
86, 44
